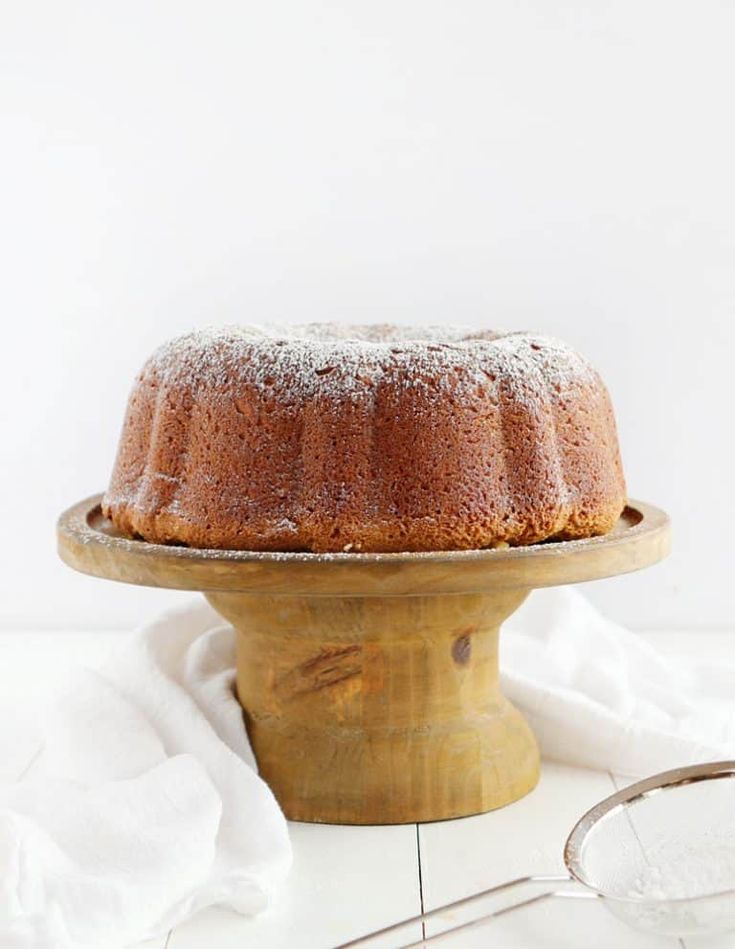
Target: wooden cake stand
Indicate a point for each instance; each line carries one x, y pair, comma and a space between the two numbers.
370, 681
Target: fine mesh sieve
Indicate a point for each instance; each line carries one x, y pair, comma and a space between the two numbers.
660, 854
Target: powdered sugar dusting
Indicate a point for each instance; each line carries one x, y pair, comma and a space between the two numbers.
339, 362
702, 871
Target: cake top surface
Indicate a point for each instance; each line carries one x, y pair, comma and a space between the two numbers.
339, 358
376, 333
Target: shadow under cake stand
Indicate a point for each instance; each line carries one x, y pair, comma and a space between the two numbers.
370, 681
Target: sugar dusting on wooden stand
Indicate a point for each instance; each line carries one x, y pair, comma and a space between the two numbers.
370, 681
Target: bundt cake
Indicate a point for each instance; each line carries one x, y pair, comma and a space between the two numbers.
365, 438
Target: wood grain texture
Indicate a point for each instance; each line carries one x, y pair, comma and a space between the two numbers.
377, 710
370, 681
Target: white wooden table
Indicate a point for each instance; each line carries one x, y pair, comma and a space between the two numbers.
347, 881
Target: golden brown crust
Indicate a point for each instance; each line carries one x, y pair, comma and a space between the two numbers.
366, 439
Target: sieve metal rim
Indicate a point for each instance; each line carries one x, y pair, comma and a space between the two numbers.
657, 783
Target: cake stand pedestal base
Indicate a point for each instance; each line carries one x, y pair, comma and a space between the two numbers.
380, 710
370, 681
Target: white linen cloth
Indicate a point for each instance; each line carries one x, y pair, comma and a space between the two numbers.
144, 804
600, 696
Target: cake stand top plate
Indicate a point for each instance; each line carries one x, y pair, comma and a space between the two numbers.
88, 542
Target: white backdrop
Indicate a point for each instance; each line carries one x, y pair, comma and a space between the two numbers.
566, 167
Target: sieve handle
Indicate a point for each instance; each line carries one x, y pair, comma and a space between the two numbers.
552, 886
574, 891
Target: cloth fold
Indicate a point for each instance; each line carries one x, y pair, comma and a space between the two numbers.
144, 804
600, 696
